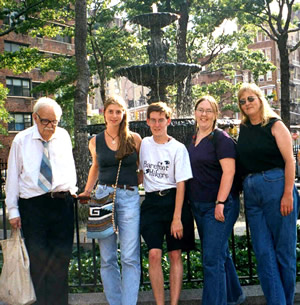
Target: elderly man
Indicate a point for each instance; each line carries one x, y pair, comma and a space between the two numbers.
41, 180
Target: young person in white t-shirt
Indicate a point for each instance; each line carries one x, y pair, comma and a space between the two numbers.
165, 166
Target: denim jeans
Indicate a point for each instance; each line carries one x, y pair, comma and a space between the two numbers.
122, 290
273, 235
221, 283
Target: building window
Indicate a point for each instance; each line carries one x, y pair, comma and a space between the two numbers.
60, 38
13, 47
63, 38
18, 86
10, 19
20, 121
261, 78
259, 36
269, 75
38, 94
268, 54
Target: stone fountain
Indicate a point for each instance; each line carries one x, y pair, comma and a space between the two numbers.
159, 73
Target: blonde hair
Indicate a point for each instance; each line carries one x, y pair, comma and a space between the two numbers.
266, 111
127, 143
160, 107
214, 106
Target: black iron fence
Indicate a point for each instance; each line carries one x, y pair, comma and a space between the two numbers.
182, 130
91, 282
80, 281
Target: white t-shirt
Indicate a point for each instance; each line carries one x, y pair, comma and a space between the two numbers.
164, 165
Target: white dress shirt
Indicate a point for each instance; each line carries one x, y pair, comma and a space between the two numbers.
24, 166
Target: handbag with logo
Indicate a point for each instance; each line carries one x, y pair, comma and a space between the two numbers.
16, 286
101, 221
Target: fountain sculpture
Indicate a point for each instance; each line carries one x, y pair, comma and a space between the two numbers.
159, 73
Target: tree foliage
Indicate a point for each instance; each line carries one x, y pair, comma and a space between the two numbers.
111, 45
277, 20
195, 41
4, 114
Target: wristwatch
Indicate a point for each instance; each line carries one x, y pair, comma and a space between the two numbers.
220, 202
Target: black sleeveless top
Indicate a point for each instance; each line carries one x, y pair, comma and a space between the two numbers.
108, 164
257, 148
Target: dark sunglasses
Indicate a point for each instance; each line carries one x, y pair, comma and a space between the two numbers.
250, 99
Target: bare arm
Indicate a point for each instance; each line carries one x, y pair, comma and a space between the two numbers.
138, 141
93, 173
176, 226
228, 168
284, 143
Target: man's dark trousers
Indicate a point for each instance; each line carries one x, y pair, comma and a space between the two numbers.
48, 228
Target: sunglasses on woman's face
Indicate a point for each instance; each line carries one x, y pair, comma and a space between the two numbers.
250, 99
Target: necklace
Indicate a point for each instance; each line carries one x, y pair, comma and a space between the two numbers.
113, 138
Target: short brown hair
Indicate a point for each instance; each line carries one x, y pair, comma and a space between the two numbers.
160, 107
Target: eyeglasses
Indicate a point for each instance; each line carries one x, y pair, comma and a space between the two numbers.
159, 121
46, 121
207, 111
250, 99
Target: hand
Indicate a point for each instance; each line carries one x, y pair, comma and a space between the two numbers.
177, 229
15, 223
286, 206
84, 197
219, 212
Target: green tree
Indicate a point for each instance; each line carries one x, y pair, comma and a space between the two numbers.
110, 45
276, 20
4, 114
197, 43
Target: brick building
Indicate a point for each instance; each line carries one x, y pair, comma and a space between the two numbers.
20, 100
269, 83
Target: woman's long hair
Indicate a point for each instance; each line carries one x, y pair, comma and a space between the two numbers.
266, 111
126, 143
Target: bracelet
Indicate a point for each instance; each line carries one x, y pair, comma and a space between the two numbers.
220, 202
87, 191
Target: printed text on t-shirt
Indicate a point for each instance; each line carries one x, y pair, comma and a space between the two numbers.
159, 170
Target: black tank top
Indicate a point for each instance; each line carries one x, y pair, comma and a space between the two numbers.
108, 164
257, 148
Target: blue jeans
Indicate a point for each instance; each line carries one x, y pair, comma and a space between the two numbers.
273, 235
221, 283
122, 290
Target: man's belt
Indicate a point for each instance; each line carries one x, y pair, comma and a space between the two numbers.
161, 193
57, 195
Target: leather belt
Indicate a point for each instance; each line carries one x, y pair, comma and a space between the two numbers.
122, 186
161, 193
57, 195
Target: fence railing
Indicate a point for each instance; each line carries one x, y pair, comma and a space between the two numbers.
95, 283
79, 278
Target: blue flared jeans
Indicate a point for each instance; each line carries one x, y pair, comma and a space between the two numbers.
122, 289
221, 283
273, 235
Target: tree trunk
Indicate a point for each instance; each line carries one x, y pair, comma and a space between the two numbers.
285, 79
81, 152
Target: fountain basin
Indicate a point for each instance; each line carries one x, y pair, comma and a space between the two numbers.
155, 20
158, 74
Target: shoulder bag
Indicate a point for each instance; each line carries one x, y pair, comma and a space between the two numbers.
101, 221
16, 286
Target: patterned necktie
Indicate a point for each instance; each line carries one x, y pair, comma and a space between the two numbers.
45, 176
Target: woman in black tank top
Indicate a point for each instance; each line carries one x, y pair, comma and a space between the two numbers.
107, 148
271, 200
